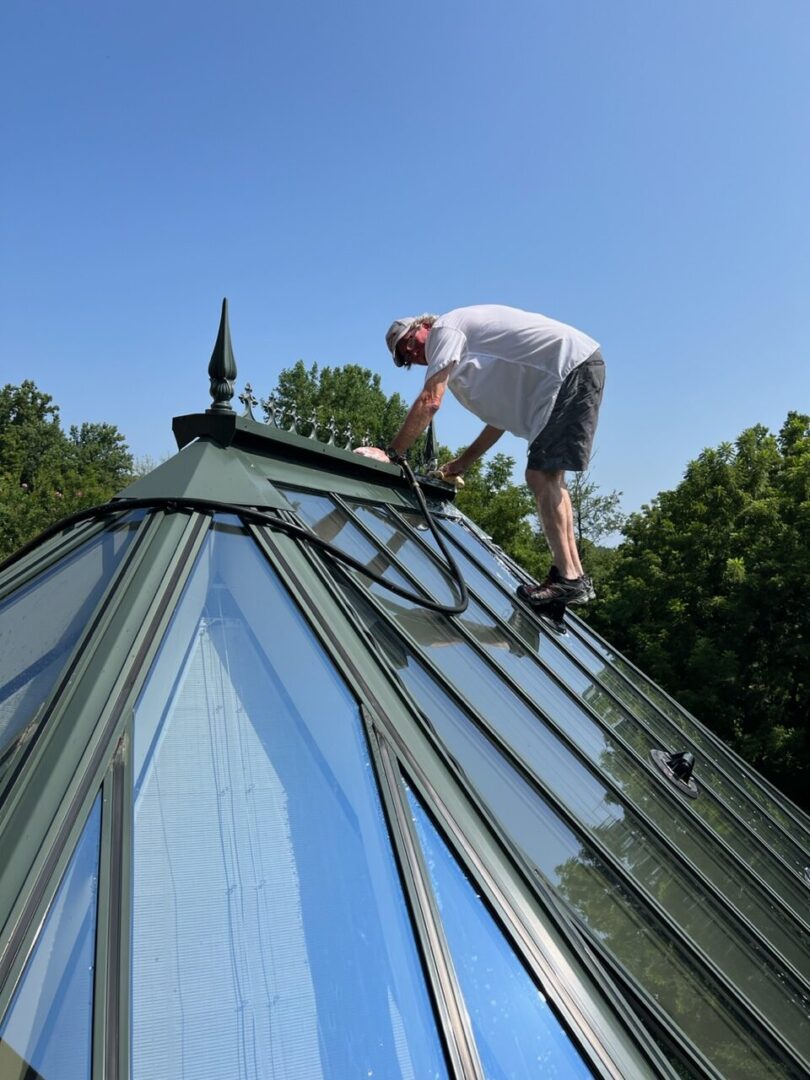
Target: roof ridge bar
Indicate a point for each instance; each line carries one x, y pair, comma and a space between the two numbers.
467, 1060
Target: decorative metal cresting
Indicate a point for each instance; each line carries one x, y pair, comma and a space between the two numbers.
222, 366
248, 399
286, 418
677, 768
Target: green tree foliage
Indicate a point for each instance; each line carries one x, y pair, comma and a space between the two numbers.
596, 515
709, 596
351, 396
45, 473
504, 510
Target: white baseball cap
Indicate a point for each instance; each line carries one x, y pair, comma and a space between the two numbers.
396, 332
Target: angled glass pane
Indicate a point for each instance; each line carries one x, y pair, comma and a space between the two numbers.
433, 577
41, 623
516, 653
617, 917
672, 720
517, 1032
726, 820
673, 818
50, 1020
270, 933
711, 749
332, 523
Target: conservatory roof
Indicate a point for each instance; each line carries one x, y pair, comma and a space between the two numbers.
262, 816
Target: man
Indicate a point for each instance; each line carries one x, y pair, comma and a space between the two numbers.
519, 372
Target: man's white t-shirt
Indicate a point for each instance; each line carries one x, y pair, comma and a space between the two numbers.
507, 364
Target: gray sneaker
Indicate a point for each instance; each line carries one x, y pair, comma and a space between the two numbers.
564, 591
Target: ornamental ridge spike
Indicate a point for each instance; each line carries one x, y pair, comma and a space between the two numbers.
222, 366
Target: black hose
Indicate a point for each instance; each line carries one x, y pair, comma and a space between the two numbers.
247, 513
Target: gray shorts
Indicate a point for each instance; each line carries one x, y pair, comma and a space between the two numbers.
566, 440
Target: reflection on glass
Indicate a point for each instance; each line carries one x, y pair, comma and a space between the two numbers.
394, 538
50, 1019
791, 847
680, 828
619, 828
270, 934
41, 623
516, 1031
627, 927
332, 523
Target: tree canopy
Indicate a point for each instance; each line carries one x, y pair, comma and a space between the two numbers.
709, 594
46, 473
350, 397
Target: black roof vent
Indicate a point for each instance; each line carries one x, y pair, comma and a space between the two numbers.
677, 768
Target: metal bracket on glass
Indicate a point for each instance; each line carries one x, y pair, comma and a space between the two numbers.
677, 768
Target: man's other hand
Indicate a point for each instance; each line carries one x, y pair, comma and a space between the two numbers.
372, 452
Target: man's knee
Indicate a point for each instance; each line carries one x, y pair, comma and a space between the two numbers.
541, 481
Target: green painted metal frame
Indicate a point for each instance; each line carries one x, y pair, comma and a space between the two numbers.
13, 759
656, 1019
68, 770
667, 793
83, 747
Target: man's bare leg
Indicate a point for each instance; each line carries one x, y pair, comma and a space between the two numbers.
557, 518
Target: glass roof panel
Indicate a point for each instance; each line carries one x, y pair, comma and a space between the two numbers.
517, 1032
634, 684
332, 523
638, 938
41, 623
624, 833
270, 933
713, 751
679, 828
727, 823
50, 1020
388, 530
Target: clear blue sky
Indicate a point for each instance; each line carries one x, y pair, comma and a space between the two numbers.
638, 169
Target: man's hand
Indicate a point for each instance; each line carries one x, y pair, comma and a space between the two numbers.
456, 467
373, 452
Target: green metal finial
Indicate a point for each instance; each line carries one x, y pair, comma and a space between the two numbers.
222, 368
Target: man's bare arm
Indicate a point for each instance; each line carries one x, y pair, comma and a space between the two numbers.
421, 412
485, 441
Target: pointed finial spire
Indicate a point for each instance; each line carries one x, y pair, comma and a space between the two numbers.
222, 367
